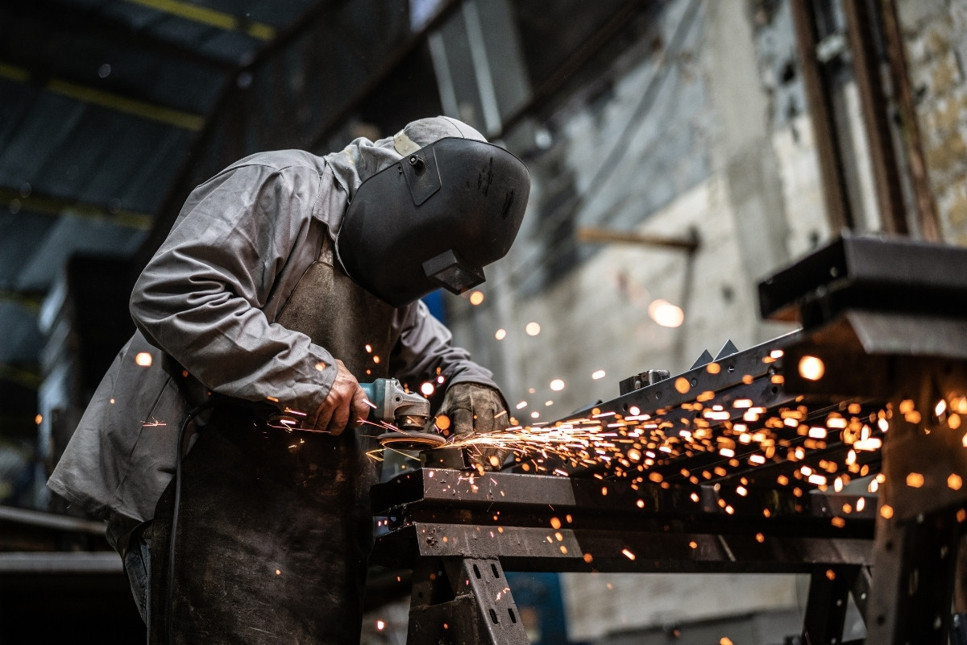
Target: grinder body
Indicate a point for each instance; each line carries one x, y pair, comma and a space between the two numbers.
393, 404
405, 412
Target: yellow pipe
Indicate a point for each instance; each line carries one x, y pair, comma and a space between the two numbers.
210, 17
141, 109
53, 206
14, 73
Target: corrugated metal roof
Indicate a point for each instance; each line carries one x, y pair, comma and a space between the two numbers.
100, 103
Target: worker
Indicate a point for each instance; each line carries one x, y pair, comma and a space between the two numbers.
224, 447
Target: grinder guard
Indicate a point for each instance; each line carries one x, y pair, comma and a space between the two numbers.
433, 219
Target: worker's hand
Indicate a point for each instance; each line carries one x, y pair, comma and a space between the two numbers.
471, 407
345, 404
479, 409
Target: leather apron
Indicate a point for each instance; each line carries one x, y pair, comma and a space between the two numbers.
274, 527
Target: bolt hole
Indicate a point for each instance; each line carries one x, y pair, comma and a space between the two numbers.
476, 572
493, 567
493, 616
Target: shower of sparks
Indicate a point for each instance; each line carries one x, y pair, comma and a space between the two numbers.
646, 448
811, 368
666, 314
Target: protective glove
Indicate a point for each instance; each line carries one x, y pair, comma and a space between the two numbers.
478, 409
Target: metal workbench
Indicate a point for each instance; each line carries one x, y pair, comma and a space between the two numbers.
885, 319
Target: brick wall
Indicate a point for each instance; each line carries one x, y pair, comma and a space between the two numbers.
935, 35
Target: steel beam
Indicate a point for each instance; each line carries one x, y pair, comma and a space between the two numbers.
885, 316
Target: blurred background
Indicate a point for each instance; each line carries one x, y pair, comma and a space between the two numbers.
680, 151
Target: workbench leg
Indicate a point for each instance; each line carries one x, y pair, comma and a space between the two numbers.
913, 575
464, 601
918, 531
829, 590
958, 633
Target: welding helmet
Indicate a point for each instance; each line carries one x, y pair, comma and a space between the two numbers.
433, 219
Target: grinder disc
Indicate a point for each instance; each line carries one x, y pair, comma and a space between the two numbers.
407, 440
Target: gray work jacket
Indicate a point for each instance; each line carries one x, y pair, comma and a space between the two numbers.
205, 308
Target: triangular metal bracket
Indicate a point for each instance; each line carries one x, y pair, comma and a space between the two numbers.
704, 359
727, 350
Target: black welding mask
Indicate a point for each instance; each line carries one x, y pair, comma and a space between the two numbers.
434, 219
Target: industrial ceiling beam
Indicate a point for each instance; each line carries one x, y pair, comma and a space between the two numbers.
108, 100
210, 17
26, 378
30, 302
17, 202
70, 18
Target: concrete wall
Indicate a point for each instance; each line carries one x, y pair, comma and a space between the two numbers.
723, 147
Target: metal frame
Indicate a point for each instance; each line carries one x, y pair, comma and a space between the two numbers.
444, 523
891, 306
895, 557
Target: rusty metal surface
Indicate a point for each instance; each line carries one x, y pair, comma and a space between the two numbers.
463, 600
877, 273
625, 551
442, 494
548, 523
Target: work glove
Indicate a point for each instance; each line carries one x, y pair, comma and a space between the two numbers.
472, 408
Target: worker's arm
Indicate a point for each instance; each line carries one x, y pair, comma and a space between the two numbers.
200, 298
472, 400
425, 349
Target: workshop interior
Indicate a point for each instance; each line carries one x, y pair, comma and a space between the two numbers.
731, 332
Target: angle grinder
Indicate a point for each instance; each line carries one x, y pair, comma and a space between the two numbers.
407, 412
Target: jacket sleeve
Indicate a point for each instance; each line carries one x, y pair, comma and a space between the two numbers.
425, 351
200, 297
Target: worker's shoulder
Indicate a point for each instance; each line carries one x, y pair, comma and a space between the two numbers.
283, 160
